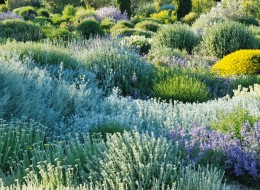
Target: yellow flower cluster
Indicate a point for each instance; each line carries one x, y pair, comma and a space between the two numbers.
164, 16
241, 62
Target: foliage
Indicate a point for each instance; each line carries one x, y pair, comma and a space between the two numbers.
233, 122
172, 86
20, 30
164, 16
124, 6
129, 32
247, 20
141, 43
3, 8
183, 7
202, 6
122, 25
69, 10
117, 66
242, 62
83, 13
227, 37
56, 6
42, 21
146, 10
57, 33
190, 18
251, 8
174, 36
9, 15
111, 12
107, 23
90, 27
43, 12
148, 25
27, 13
57, 19
13, 4
97, 3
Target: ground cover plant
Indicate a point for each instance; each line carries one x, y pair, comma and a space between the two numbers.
161, 95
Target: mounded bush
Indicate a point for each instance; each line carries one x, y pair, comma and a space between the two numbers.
69, 10
146, 10
130, 32
141, 43
124, 6
27, 13
247, 20
42, 20
57, 33
90, 27
176, 36
43, 12
20, 30
57, 19
118, 66
3, 8
242, 62
148, 26
227, 37
122, 25
190, 18
43, 54
107, 24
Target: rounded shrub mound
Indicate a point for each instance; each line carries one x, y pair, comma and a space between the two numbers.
148, 26
107, 24
43, 12
227, 37
42, 53
122, 25
141, 43
242, 62
130, 32
118, 66
27, 13
20, 30
90, 27
176, 36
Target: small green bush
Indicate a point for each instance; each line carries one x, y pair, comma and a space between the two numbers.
122, 25
174, 36
57, 33
13, 4
20, 30
174, 86
42, 20
43, 54
107, 23
27, 12
227, 37
141, 43
43, 12
130, 32
247, 20
146, 10
190, 18
83, 13
57, 19
233, 121
3, 8
148, 26
69, 10
183, 7
90, 27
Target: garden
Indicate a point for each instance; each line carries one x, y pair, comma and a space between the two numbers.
130, 94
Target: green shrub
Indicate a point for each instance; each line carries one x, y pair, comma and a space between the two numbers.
141, 43
247, 20
118, 66
3, 8
130, 32
122, 25
83, 13
27, 12
90, 27
175, 36
227, 37
183, 7
58, 19
148, 26
175, 86
20, 30
57, 33
242, 62
107, 23
56, 6
190, 18
43, 12
124, 6
106, 128
146, 10
43, 54
13, 4
69, 10
233, 121
168, 7
42, 20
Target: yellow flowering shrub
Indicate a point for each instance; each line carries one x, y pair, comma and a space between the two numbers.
239, 62
165, 16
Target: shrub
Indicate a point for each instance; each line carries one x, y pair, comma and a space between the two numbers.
227, 37
185, 88
42, 20
247, 20
164, 16
169, 7
233, 122
43, 12
13, 4
183, 7
107, 24
89, 27
20, 30
85, 13
130, 32
9, 15
43, 54
146, 10
58, 19
57, 33
27, 12
141, 43
69, 10
175, 36
118, 66
122, 25
124, 6
56, 6
111, 12
242, 62
3, 8
190, 18
148, 26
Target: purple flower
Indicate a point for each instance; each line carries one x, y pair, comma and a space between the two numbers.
9, 15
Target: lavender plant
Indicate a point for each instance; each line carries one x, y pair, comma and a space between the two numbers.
9, 15
111, 12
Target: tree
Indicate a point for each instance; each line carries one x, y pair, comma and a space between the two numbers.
124, 6
183, 7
